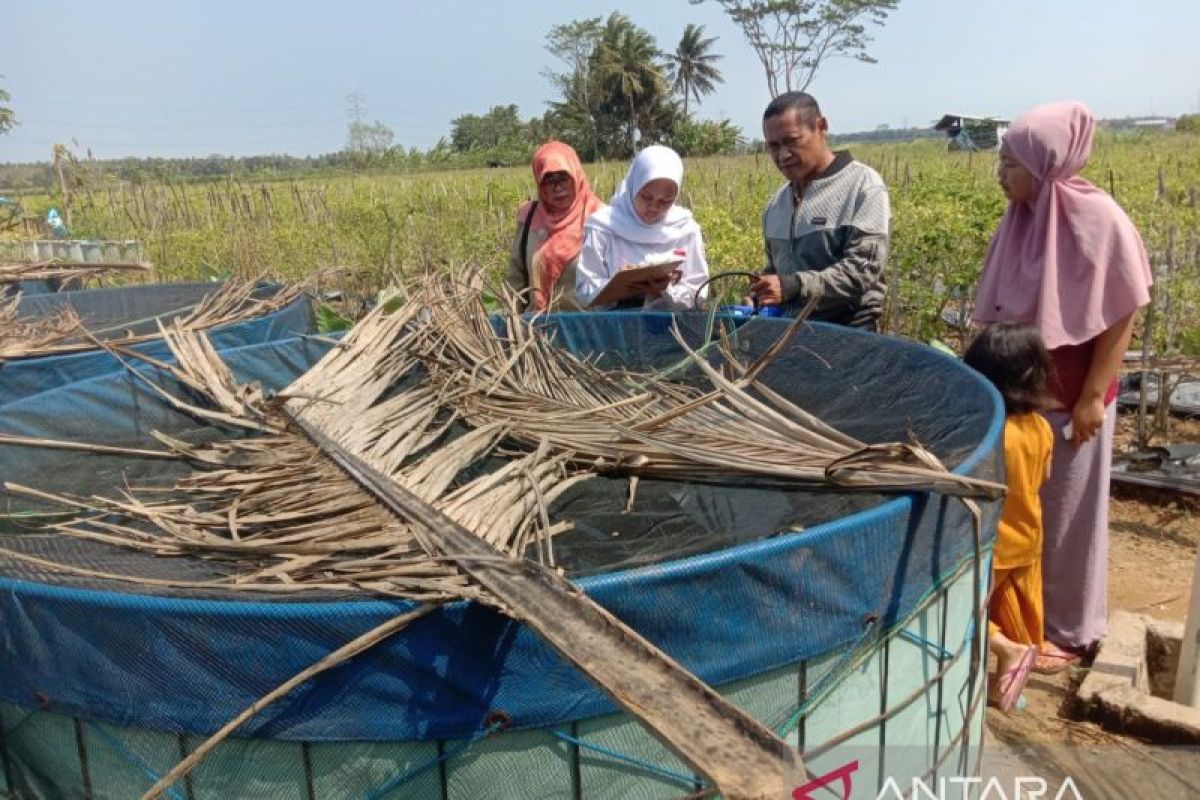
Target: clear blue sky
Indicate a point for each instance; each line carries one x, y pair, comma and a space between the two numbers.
154, 78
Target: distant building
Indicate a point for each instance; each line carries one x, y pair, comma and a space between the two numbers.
1164, 123
1139, 123
967, 132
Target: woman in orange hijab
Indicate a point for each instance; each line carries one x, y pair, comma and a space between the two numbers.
550, 231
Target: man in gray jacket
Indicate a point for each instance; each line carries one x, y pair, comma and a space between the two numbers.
827, 231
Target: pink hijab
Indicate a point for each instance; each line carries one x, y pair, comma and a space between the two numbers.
1070, 263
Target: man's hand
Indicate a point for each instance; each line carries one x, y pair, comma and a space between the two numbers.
766, 291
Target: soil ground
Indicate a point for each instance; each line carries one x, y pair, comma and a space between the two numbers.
1153, 541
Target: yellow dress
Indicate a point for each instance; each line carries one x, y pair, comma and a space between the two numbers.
1016, 608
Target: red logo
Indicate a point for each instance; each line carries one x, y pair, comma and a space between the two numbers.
843, 772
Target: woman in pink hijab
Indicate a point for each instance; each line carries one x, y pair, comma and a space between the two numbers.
1067, 260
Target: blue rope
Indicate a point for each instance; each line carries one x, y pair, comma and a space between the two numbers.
405, 777
917, 639
970, 633
690, 780
131, 757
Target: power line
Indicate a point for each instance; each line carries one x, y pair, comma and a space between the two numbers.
197, 109
26, 123
185, 127
256, 143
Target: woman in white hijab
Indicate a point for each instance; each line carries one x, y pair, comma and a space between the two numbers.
643, 224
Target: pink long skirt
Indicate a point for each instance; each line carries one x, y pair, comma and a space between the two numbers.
1075, 550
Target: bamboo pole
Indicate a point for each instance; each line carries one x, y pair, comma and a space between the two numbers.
1187, 676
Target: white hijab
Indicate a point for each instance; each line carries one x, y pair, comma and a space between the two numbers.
619, 218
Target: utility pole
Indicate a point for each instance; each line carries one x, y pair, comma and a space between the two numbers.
60, 151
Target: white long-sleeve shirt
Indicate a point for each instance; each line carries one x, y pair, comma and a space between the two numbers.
604, 254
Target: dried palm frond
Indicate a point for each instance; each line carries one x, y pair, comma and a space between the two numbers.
82, 271
20, 336
400, 380
278, 514
274, 515
235, 301
644, 423
351, 479
232, 301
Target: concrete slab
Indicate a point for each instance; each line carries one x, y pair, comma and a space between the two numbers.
1117, 689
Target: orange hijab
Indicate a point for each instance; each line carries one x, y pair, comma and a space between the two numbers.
564, 231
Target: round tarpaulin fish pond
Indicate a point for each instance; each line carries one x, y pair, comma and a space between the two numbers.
136, 311
847, 622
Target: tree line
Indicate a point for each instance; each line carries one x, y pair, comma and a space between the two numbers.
617, 91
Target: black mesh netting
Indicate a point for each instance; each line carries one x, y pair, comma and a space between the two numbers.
873, 388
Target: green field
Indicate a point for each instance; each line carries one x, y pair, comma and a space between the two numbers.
945, 207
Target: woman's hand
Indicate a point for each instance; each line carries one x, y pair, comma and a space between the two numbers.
656, 287
653, 288
1086, 419
1088, 414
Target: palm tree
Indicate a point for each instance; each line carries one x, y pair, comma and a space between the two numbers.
626, 62
693, 70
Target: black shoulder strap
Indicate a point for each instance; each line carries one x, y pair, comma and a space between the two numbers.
525, 236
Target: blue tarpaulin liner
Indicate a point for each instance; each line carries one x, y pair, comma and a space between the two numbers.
118, 311
731, 579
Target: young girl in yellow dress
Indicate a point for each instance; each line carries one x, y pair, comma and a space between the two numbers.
1013, 358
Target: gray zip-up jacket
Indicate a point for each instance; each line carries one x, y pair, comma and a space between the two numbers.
832, 244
